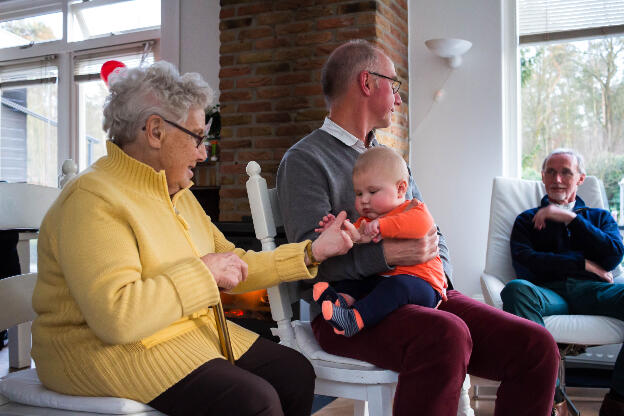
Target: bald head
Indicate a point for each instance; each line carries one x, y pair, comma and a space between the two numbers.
384, 161
344, 64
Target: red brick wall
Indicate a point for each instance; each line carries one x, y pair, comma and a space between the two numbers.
271, 56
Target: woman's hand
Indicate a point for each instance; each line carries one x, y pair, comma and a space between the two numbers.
353, 232
227, 268
333, 241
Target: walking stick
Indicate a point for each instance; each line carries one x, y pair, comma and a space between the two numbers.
222, 330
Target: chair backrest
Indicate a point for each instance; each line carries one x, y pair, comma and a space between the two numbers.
266, 216
16, 300
512, 196
23, 205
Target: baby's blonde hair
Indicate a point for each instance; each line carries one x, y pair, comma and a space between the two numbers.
383, 160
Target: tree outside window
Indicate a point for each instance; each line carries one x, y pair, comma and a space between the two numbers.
573, 96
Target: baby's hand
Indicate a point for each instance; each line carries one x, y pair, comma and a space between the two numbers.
325, 223
364, 238
371, 230
353, 232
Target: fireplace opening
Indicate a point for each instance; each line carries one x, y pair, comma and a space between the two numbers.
250, 310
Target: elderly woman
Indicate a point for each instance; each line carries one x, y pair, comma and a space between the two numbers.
129, 264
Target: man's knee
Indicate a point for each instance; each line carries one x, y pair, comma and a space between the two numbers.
447, 349
539, 349
517, 292
455, 334
447, 340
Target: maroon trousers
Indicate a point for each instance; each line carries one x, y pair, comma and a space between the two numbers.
433, 349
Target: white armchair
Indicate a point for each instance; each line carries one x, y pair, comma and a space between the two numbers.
510, 197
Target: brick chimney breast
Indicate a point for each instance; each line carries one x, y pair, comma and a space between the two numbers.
271, 57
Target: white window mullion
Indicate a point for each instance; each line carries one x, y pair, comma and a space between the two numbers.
512, 149
66, 138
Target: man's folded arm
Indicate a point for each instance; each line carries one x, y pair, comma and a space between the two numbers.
541, 263
602, 243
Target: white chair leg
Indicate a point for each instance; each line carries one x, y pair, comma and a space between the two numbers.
464, 408
380, 400
360, 408
19, 345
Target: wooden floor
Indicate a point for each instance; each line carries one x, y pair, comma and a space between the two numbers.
587, 400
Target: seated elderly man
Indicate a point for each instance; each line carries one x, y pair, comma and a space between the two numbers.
563, 253
129, 264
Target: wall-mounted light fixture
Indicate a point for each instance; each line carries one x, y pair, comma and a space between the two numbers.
451, 49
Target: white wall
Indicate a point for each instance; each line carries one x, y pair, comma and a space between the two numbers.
190, 37
456, 143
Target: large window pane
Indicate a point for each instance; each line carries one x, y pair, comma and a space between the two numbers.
28, 134
91, 95
573, 96
104, 17
37, 29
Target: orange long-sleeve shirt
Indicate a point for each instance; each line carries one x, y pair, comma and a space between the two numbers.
412, 220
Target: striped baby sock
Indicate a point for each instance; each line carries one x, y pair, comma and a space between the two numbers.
322, 291
346, 321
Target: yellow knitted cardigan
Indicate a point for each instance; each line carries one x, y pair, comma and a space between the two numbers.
122, 294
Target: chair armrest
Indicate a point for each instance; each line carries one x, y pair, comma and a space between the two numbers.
491, 286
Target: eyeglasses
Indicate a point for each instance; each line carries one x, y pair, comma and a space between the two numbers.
565, 173
395, 84
199, 140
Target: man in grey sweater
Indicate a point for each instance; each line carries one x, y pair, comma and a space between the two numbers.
431, 349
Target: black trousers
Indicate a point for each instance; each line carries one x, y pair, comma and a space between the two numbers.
9, 260
9, 263
268, 380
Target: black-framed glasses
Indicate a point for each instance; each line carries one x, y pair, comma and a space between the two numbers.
395, 84
565, 173
199, 140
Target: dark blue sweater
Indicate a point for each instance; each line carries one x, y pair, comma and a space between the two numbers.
559, 251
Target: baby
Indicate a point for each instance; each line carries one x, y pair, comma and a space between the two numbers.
380, 181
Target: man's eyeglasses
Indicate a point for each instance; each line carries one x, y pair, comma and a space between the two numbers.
396, 84
199, 140
565, 173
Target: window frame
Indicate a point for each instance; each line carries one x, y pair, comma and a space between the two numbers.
65, 50
512, 41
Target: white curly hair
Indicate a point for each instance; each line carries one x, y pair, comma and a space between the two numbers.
137, 93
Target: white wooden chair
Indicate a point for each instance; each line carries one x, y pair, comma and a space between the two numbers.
510, 197
371, 387
21, 392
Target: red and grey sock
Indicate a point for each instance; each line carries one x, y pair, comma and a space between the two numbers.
346, 321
